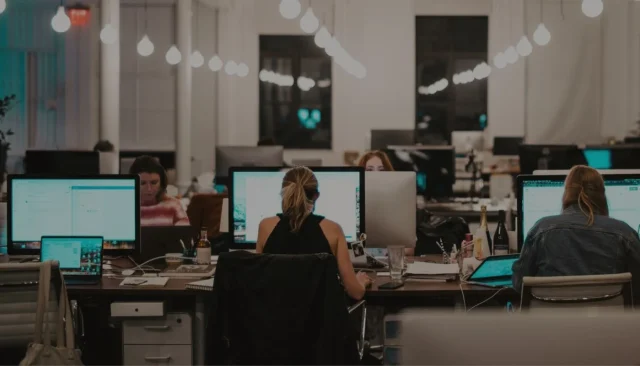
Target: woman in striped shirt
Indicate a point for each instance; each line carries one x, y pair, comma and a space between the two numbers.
156, 207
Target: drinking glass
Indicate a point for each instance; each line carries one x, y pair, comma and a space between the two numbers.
396, 262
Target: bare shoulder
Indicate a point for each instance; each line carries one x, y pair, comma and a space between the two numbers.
269, 222
331, 227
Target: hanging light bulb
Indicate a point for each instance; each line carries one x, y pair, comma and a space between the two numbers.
145, 46
524, 47
499, 61
108, 34
243, 70
3, 5
215, 64
511, 55
173, 56
290, 9
322, 38
309, 22
333, 47
542, 36
197, 59
592, 8
60, 22
231, 67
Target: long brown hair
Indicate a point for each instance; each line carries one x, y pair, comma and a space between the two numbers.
584, 186
376, 154
299, 191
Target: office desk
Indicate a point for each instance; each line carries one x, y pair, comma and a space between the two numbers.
174, 295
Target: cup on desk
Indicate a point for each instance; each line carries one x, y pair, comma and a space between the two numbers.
396, 262
174, 260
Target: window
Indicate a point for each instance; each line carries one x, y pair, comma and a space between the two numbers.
445, 46
295, 92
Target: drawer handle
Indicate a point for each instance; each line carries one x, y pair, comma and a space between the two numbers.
156, 327
157, 358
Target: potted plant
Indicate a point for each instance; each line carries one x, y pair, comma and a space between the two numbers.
6, 104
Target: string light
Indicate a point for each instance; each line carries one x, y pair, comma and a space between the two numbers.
243, 70
542, 36
290, 9
60, 22
216, 64
309, 23
592, 8
108, 34
173, 56
231, 68
145, 46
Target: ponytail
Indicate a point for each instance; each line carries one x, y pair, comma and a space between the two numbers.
584, 200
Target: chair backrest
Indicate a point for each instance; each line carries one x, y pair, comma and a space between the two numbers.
445, 338
18, 302
206, 209
571, 292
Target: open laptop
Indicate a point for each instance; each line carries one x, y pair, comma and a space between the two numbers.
494, 271
80, 257
157, 241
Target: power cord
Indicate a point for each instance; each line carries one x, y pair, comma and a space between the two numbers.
143, 265
464, 301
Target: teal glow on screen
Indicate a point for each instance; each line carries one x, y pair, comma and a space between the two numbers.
598, 159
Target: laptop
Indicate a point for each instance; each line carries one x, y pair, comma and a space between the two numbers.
494, 271
157, 241
80, 257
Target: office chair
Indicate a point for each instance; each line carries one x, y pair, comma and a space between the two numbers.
574, 292
18, 304
283, 309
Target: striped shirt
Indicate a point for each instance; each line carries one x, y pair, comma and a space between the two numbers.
168, 212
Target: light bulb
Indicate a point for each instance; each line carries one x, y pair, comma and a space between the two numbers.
108, 34
145, 46
231, 67
243, 70
290, 9
542, 36
511, 55
197, 59
173, 56
215, 64
499, 61
333, 47
322, 38
524, 47
3, 5
479, 72
60, 22
592, 8
309, 23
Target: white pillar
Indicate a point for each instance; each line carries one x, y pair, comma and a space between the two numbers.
183, 98
110, 83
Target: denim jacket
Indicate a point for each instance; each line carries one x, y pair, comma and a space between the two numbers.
564, 245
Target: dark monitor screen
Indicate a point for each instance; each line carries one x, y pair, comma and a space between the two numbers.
247, 156
166, 158
625, 156
382, 139
506, 146
549, 157
101, 205
434, 167
61, 162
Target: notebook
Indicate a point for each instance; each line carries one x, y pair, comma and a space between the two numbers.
203, 285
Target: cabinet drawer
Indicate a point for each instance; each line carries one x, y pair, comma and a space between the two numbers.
157, 355
175, 329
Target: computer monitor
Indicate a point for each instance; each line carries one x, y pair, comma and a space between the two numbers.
598, 158
254, 193
166, 158
625, 156
390, 192
465, 141
434, 167
382, 139
101, 205
541, 196
506, 146
61, 162
246, 156
549, 157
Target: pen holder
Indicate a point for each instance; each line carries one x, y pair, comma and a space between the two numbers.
189, 253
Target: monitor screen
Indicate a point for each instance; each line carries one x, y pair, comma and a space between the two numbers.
256, 195
62, 162
542, 196
78, 256
106, 207
598, 158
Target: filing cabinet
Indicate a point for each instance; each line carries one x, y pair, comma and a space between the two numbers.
150, 341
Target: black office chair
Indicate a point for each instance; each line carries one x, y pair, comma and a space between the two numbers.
283, 309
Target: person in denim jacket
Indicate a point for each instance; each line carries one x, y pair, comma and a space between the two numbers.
583, 239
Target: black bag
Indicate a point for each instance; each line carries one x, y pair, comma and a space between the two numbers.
431, 228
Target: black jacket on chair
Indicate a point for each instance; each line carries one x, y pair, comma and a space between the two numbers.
279, 309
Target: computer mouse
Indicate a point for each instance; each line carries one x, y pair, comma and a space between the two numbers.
128, 272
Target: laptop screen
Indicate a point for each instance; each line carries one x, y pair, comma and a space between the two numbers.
494, 267
78, 256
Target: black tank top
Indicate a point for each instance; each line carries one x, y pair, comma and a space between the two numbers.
309, 239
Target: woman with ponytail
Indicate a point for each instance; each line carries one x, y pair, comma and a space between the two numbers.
583, 239
298, 231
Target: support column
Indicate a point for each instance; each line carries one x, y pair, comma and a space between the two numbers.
110, 85
183, 96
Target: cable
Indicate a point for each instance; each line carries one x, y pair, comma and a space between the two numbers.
139, 266
464, 301
490, 297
